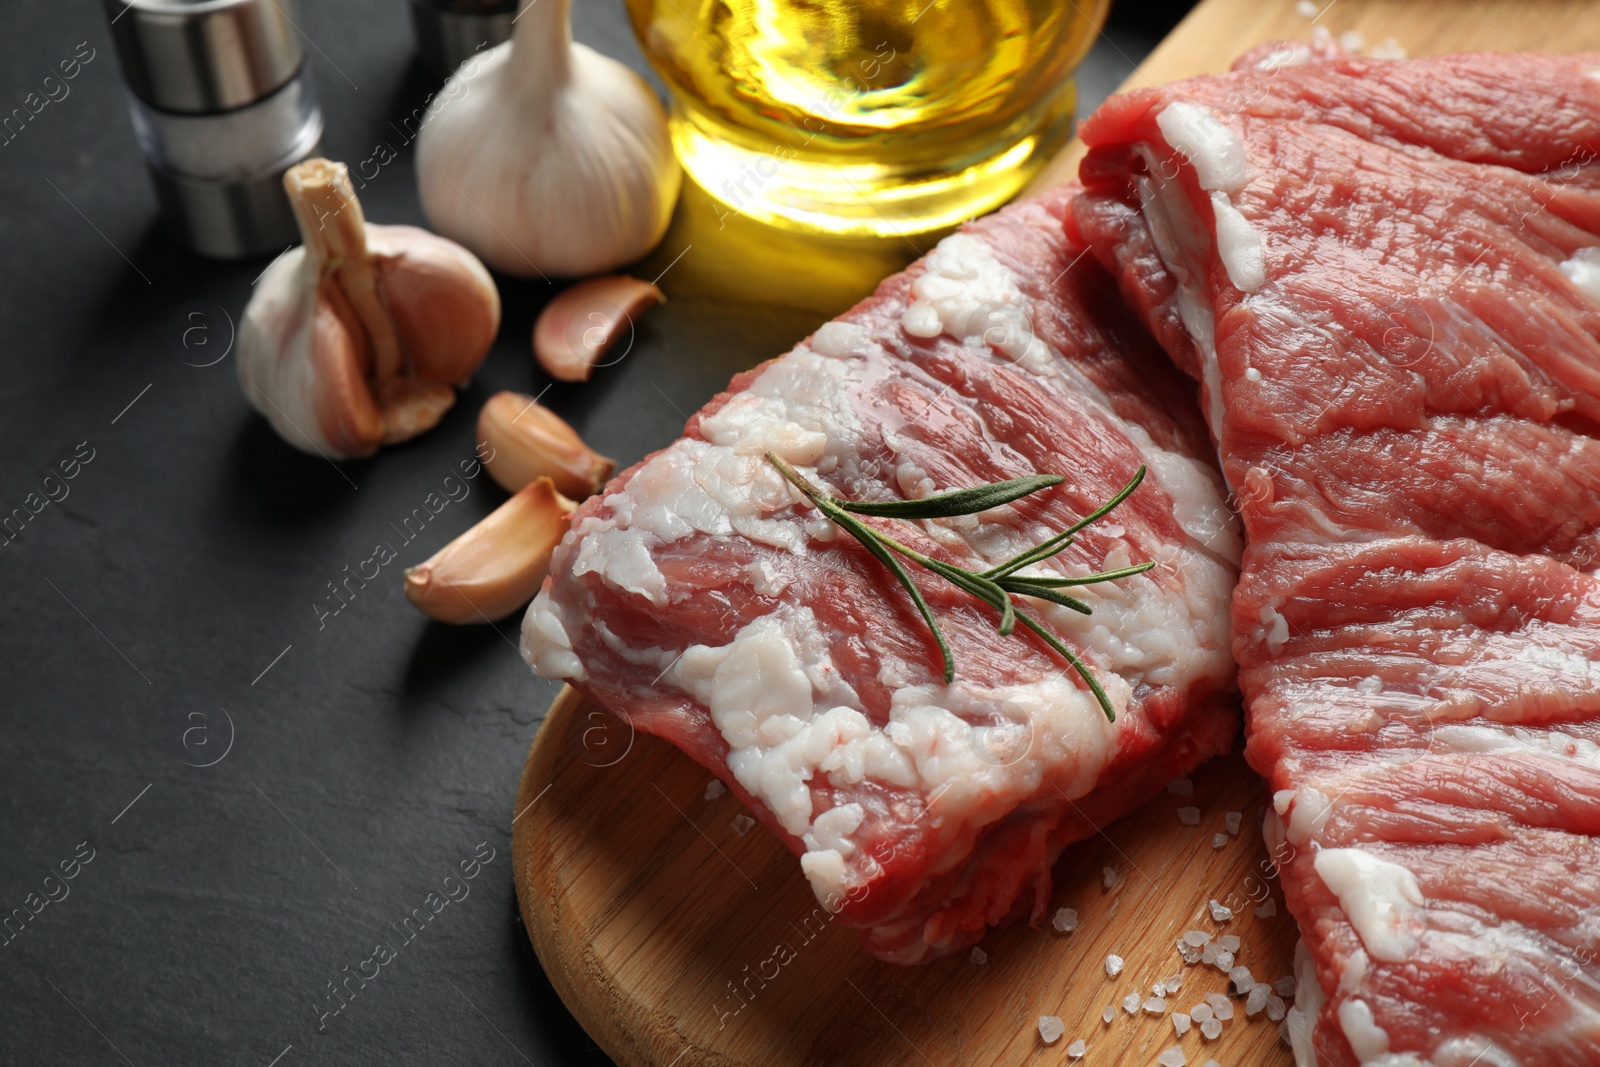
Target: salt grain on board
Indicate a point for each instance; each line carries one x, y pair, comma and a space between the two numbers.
1181, 787
1219, 913
1284, 986
715, 789
1211, 1063
1221, 1006
1211, 1029
1078, 1047
1155, 1006
1229, 942
742, 824
1276, 1009
1189, 816
1108, 877
1113, 965
979, 956
1196, 937
1219, 840
1224, 961
1267, 910
1200, 1012
1130, 1003
1256, 1001
1065, 921
1232, 820
1180, 1023
1109, 1014
1050, 1029
1172, 1057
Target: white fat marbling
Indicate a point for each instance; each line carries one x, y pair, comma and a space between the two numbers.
970, 295
546, 645
1308, 998
1381, 899
1583, 270
776, 697
1367, 1039
1212, 149
1239, 246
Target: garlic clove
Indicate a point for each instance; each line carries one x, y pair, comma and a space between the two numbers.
578, 327
444, 304
354, 339
527, 441
545, 157
497, 566
411, 406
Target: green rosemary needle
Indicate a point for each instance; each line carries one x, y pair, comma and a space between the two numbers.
994, 586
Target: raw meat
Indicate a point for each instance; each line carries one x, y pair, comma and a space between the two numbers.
701, 599
1386, 275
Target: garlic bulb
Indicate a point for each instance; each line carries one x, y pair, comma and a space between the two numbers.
356, 338
545, 157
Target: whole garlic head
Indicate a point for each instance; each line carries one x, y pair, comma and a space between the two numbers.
357, 338
547, 158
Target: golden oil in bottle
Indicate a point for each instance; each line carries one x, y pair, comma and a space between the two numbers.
867, 116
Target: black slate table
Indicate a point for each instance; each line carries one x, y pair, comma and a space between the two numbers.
251, 795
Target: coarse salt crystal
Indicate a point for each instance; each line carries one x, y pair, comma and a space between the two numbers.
1211, 1029
1284, 986
1276, 1009
1352, 41
979, 956
1155, 1005
1189, 816
715, 789
1306, 9
1173, 984
742, 824
1196, 937
1066, 920
1180, 1023
1209, 953
1232, 820
1220, 913
1256, 1001
1229, 942
1221, 1006
1108, 1014
1078, 1047
1211, 1063
1051, 1028
1224, 961
1172, 1057
1130, 1003
1242, 978
1200, 1012
1267, 910
1181, 787
1219, 840
1108, 877
1113, 965
1189, 953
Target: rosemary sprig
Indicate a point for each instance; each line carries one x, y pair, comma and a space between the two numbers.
995, 586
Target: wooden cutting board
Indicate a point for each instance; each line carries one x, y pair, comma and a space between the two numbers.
678, 936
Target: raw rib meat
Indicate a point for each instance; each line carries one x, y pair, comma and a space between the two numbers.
1386, 274
698, 597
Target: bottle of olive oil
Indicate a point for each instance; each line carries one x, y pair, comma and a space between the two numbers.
867, 116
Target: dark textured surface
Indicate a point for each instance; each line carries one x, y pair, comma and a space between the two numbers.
142, 611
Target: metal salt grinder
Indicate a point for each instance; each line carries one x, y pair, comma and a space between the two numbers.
451, 31
222, 105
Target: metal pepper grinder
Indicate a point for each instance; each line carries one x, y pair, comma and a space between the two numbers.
451, 31
222, 105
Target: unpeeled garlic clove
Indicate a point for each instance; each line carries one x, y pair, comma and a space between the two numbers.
527, 441
356, 338
578, 327
497, 566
